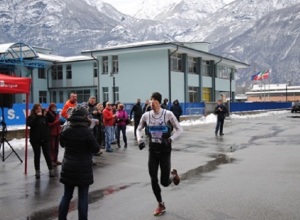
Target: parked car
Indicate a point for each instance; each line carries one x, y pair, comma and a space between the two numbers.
296, 107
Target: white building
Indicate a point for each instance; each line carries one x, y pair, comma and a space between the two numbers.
274, 92
183, 71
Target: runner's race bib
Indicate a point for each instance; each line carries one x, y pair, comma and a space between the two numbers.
156, 133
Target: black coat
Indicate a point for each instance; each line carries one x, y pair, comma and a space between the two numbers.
79, 143
221, 112
39, 128
137, 111
177, 110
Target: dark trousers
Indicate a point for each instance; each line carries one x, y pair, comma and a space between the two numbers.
136, 124
36, 146
83, 197
101, 136
123, 129
162, 160
220, 123
54, 145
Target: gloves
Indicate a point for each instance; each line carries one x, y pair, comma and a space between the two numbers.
142, 145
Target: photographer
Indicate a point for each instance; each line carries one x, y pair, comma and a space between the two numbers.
40, 138
220, 111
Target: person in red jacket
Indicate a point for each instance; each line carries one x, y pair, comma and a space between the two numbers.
54, 124
108, 123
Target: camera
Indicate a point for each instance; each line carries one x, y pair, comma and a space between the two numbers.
43, 111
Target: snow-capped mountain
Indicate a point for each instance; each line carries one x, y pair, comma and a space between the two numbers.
272, 42
264, 34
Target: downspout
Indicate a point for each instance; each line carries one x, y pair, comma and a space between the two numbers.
98, 87
48, 81
169, 74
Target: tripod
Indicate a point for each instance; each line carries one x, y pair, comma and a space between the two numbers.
4, 140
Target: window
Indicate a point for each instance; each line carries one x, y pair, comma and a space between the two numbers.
105, 65
176, 62
224, 72
42, 96
105, 93
205, 68
54, 96
193, 94
69, 71
96, 94
41, 73
117, 97
61, 96
95, 70
57, 73
54, 73
115, 64
206, 94
192, 61
82, 95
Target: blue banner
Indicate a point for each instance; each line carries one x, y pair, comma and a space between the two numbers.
17, 114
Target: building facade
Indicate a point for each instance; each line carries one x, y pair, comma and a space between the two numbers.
183, 71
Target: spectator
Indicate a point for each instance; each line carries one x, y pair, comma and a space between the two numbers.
121, 117
55, 129
137, 112
220, 111
164, 105
39, 138
176, 109
147, 106
108, 123
79, 143
91, 106
72, 102
101, 133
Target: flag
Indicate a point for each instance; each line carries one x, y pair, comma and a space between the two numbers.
261, 75
255, 76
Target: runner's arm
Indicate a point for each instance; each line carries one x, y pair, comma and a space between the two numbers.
174, 122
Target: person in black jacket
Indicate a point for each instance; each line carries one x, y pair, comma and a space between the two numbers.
39, 138
176, 109
80, 144
220, 111
137, 114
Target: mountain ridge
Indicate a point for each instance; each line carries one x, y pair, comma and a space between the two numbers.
236, 29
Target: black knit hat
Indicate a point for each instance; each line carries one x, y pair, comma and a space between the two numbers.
156, 96
79, 113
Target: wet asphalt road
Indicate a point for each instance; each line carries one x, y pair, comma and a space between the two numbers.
252, 172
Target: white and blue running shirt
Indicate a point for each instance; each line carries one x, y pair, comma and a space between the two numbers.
157, 123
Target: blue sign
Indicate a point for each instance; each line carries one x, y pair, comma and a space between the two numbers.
17, 114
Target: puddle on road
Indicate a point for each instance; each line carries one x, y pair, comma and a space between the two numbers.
210, 166
293, 116
94, 196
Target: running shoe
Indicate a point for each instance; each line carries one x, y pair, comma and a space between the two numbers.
176, 178
160, 209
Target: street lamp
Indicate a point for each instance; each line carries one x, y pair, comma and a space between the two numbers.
114, 87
